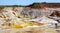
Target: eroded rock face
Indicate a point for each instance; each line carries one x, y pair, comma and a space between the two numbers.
12, 12
55, 14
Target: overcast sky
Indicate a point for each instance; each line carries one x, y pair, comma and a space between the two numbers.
24, 2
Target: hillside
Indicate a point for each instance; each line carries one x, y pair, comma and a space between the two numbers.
33, 10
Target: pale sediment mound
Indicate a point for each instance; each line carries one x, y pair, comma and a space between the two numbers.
30, 30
